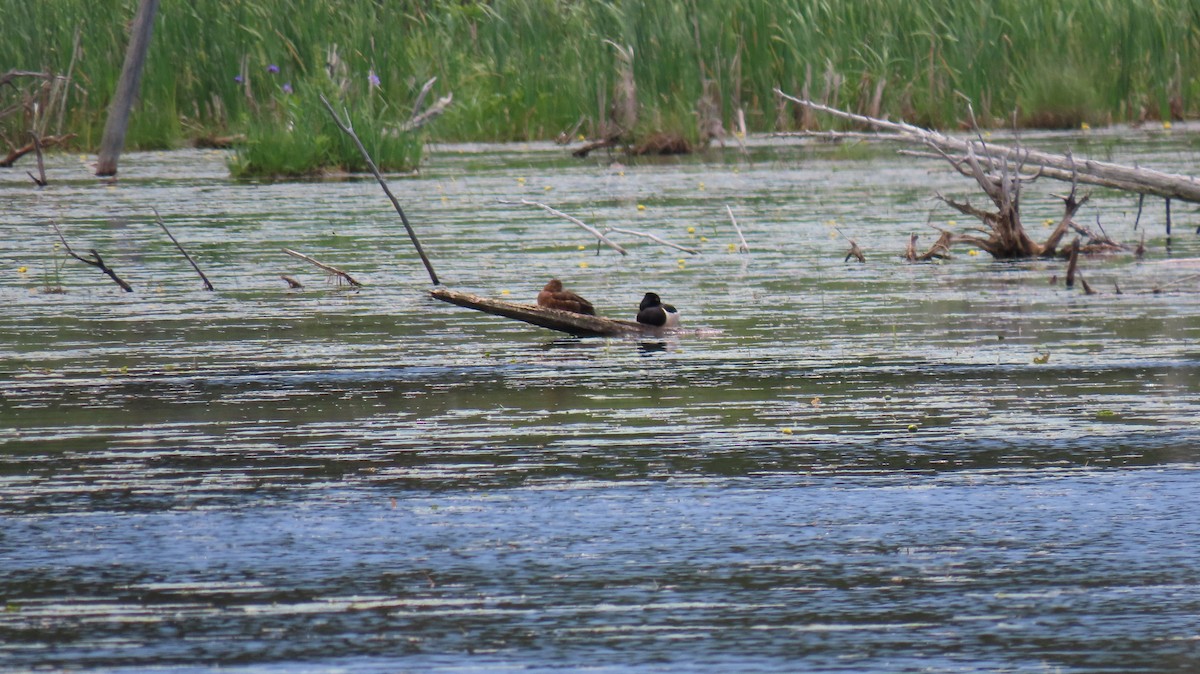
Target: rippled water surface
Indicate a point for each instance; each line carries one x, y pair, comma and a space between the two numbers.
835, 467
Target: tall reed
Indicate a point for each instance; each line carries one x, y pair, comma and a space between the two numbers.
522, 69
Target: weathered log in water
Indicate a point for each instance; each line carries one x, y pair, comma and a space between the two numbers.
580, 325
32, 146
1061, 167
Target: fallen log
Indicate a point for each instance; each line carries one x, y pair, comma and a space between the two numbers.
580, 325
1062, 167
32, 146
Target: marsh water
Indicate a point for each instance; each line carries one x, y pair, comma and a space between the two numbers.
836, 466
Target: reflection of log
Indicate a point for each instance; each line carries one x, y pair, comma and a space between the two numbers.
580, 325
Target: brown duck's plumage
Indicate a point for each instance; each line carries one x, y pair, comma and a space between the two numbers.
554, 297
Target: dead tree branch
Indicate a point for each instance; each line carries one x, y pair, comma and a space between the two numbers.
742, 246
159, 220
328, 269
653, 237
95, 260
47, 142
592, 230
1107, 174
348, 128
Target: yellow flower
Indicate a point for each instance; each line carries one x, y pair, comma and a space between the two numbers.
732, 248
547, 188
1167, 125
582, 247
581, 137
702, 185
641, 207
951, 223
1085, 126
583, 265
1048, 221
621, 173
505, 292
21, 270
786, 431
691, 230
703, 239
972, 252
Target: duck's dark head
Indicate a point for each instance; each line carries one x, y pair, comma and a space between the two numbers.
553, 286
650, 300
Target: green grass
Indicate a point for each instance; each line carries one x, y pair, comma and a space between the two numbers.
530, 69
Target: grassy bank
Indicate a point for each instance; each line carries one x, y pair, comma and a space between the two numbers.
522, 69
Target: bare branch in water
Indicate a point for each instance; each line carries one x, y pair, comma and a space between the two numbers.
332, 271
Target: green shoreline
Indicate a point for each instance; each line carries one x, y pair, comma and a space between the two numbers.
537, 69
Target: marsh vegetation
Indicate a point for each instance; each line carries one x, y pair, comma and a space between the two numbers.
537, 69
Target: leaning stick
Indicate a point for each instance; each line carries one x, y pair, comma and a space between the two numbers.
348, 128
552, 211
332, 271
158, 218
40, 178
1159, 288
652, 237
96, 261
743, 246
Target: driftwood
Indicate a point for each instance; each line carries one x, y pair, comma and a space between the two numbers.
742, 246
580, 325
1062, 167
653, 237
348, 129
592, 230
95, 260
159, 220
608, 141
332, 271
32, 146
855, 252
940, 250
40, 178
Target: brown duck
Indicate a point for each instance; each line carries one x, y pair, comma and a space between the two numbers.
554, 297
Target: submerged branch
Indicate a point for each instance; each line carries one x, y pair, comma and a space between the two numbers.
592, 230
95, 261
159, 220
743, 246
653, 237
332, 271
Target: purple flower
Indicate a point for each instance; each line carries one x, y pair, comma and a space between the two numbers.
237, 78
373, 78
272, 68
287, 87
